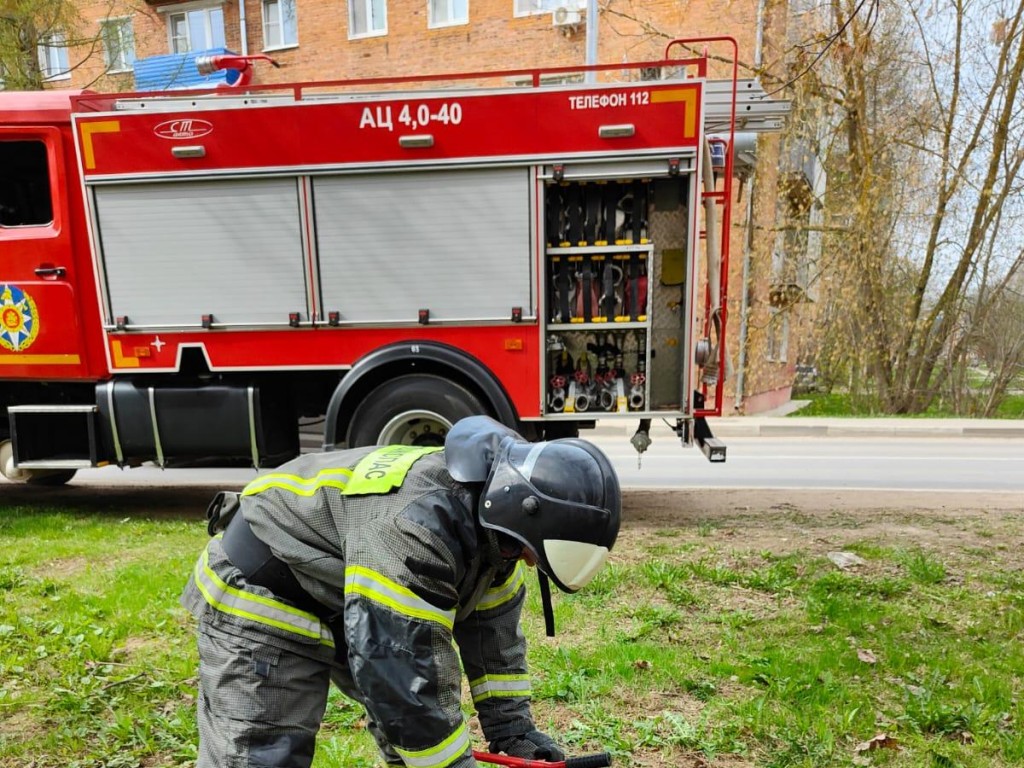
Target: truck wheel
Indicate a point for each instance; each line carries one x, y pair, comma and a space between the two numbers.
418, 409
50, 477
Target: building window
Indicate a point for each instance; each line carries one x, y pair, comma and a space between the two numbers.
778, 335
280, 29
528, 7
53, 57
444, 13
197, 30
24, 184
118, 44
367, 17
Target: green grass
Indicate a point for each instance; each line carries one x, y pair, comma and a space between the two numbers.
96, 660
844, 404
685, 653
1012, 407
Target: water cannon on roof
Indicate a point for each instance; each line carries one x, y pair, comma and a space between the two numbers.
242, 64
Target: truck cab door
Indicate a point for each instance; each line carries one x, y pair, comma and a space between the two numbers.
40, 334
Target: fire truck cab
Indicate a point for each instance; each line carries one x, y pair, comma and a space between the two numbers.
187, 277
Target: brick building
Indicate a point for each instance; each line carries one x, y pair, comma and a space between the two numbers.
151, 45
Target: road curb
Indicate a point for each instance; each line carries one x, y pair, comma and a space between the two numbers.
768, 427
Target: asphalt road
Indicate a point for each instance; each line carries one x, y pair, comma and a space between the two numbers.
832, 463
899, 464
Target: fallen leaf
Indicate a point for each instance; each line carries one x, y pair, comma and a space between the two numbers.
880, 741
844, 560
866, 656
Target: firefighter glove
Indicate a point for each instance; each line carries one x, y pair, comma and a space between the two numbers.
531, 746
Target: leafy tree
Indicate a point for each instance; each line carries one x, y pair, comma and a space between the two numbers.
26, 25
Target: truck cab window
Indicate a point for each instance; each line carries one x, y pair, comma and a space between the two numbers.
25, 199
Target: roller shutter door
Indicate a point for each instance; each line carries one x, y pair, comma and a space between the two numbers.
454, 242
175, 251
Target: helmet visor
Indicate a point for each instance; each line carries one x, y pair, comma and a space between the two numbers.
574, 563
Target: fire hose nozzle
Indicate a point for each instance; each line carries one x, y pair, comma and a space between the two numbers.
207, 65
556, 401
636, 398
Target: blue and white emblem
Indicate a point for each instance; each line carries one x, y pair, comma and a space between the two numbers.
19, 323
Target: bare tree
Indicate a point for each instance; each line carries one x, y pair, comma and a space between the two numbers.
991, 360
924, 185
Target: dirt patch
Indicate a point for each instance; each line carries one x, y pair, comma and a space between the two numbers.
782, 522
63, 568
19, 726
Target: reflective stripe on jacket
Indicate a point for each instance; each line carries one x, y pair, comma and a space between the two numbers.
263, 610
390, 541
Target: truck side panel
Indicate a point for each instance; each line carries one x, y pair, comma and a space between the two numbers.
375, 132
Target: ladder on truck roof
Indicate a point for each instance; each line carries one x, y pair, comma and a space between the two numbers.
755, 111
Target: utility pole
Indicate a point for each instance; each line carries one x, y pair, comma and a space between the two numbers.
591, 38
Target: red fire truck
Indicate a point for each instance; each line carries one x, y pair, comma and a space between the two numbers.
186, 277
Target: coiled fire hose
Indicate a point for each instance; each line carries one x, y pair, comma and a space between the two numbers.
714, 257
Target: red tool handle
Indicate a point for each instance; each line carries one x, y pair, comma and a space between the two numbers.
599, 760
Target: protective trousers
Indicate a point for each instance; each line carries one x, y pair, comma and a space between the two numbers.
262, 693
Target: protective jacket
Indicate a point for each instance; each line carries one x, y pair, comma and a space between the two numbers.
390, 548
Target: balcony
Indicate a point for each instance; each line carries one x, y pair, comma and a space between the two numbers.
177, 71
783, 295
802, 175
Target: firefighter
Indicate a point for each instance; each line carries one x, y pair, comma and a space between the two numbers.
376, 568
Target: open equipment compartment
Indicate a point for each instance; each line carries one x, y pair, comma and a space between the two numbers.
617, 243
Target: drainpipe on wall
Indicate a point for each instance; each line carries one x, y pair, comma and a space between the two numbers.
748, 241
243, 34
591, 38
748, 247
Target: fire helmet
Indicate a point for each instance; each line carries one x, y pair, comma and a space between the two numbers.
559, 499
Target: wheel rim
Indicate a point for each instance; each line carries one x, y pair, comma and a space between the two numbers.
424, 428
7, 468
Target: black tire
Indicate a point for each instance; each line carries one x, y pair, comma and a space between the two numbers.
417, 409
52, 478
47, 477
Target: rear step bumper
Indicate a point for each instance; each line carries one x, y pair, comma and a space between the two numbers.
54, 436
